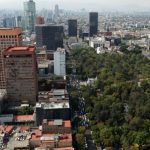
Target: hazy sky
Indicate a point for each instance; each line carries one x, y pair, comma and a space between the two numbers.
98, 5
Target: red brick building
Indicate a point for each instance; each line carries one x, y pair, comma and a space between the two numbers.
20, 72
8, 37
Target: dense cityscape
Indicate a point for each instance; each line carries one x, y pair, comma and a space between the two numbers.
74, 79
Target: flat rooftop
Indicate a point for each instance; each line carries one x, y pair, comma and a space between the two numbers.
10, 31
64, 148
20, 118
53, 105
19, 49
20, 138
6, 115
64, 123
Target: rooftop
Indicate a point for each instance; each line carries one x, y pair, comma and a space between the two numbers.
53, 95
64, 123
64, 148
6, 128
50, 137
53, 105
61, 50
20, 118
6, 115
19, 49
20, 138
58, 122
10, 31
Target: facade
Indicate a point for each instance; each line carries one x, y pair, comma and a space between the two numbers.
60, 62
50, 36
3, 97
93, 23
2, 74
29, 15
18, 21
20, 72
8, 37
72, 27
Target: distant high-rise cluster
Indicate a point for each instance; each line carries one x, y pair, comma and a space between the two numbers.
29, 15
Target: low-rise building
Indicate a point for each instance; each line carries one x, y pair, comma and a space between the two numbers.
56, 126
51, 141
52, 110
53, 95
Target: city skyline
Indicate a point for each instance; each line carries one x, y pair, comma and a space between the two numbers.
98, 5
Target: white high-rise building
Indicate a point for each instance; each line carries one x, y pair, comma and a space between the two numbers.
60, 62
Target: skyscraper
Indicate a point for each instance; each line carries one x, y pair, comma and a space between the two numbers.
56, 11
50, 36
8, 37
29, 14
18, 21
20, 72
93, 23
72, 27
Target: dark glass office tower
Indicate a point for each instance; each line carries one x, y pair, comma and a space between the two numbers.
93, 23
50, 36
72, 27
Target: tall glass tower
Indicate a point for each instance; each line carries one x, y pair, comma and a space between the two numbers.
29, 14
93, 22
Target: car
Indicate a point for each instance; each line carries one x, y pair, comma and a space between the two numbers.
86, 146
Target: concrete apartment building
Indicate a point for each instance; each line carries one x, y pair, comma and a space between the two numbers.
52, 110
8, 37
60, 62
20, 72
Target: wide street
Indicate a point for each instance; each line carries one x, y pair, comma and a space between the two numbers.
88, 141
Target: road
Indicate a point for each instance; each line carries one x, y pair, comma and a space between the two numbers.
89, 142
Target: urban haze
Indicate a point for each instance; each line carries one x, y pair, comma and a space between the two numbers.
98, 5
